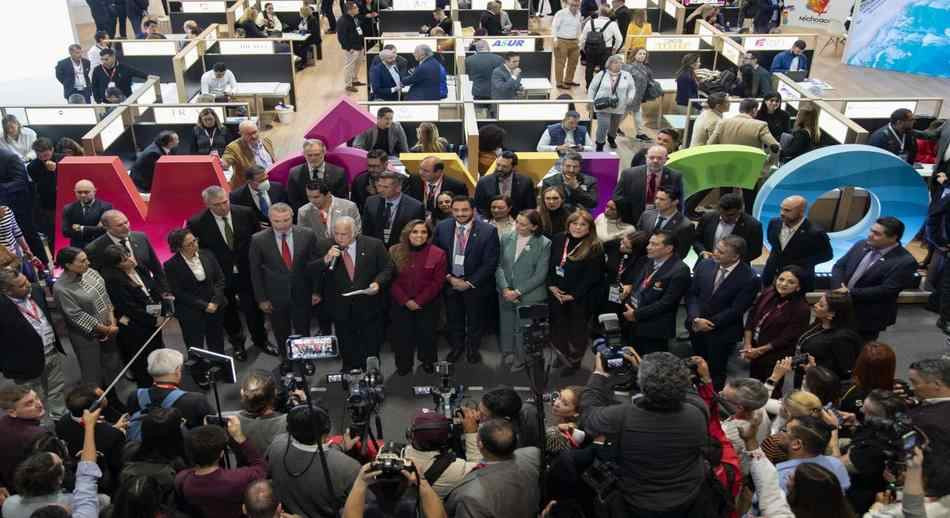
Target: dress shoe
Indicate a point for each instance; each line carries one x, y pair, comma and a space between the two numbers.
428, 368
474, 357
621, 133
563, 86
643, 137
454, 355
268, 348
403, 372
613, 142
359, 83
600, 146
351, 89
572, 83
518, 367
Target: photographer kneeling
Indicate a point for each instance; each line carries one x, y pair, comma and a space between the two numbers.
432, 454
659, 434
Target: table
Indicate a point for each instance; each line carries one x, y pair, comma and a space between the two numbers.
259, 91
296, 36
536, 87
815, 86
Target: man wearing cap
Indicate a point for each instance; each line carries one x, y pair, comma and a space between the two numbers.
429, 450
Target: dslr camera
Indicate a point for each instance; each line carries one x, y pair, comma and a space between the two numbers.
610, 344
390, 462
899, 437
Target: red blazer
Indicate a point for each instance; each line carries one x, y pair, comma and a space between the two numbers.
422, 278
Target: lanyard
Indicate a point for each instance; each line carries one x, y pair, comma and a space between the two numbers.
622, 266
214, 131
33, 314
566, 253
763, 318
111, 74
896, 136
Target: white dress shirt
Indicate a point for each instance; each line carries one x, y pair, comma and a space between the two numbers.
196, 268
210, 84
566, 25
723, 229
93, 56
80, 75
785, 235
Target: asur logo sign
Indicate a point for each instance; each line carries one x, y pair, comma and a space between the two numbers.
509, 44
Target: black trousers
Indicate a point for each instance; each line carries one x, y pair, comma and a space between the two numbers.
569, 328
288, 320
202, 329
716, 353
242, 302
326, 8
647, 345
120, 20
466, 313
413, 331
358, 340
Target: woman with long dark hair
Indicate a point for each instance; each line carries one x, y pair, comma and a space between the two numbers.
831, 339
771, 112
774, 323
552, 211
420, 274
687, 84
520, 278
574, 272
814, 492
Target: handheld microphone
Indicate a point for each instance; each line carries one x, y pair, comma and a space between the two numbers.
333, 260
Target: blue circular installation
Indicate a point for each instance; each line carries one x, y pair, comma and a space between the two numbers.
895, 189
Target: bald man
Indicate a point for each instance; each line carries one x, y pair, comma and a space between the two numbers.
636, 189
251, 148
794, 240
81, 217
119, 232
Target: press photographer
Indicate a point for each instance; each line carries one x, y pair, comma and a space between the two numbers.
664, 431
165, 366
505, 403
361, 503
430, 437
259, 420
930, 381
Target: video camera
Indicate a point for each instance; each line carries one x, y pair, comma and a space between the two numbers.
535, 328
365, 391
899, 437
446, 395
610, 345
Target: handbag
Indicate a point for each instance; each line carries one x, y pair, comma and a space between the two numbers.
653, 90
611, 101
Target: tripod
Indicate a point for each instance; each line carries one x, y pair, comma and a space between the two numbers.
537, 371
212, 377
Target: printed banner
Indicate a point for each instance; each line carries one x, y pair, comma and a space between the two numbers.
824, 15
910, 36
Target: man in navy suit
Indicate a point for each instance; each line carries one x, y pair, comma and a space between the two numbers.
874, 272
662, 281
386, 213
793, 239
724, 287
385, 81
427, 81
75, 74
472, 248
259, 193
505, 180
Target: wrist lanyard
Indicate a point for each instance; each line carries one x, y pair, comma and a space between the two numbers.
566, 254
899, 138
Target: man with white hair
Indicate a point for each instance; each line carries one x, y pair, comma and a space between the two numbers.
81, 217
249, 149
165, 366
480, 67
315, 167
279, 258
118, 232
428, 81
385, 81
354, 263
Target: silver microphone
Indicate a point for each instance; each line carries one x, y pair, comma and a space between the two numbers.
333, 260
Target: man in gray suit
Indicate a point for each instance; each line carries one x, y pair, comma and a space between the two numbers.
279, 258
386, 135
665, 216
480, 67
636, 188
505, 482
315, 152
506, 78
325, 208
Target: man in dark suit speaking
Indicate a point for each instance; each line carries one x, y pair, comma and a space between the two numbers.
279, 260
795, 240
472, 248
874, 272
354, 264
661, 283
723, 288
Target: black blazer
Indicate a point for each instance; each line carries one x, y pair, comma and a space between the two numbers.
875, 294
359, 191
130, 301
190, 294
679, 225
66, 76
143, 170
244, 224
660, 298
73, 214
145, 256
834, 349
481, 251
21, 353
523, 194
372, 265
122, 78
725, 306
806, 249
373, 225
203, 143
747, 228
333, 176
630, 191
491, 23
581, 278
413, 186
242, 196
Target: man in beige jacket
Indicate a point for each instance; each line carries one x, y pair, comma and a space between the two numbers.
716, 105
745, 130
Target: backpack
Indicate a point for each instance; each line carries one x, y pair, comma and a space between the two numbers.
134, 432
595, 46
443, 85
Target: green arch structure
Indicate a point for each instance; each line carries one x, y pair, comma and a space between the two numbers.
718, 165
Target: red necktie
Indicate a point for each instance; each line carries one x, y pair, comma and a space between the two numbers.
651, 187
348, 263
285, 252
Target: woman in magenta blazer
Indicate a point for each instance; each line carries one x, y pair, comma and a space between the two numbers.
420, 274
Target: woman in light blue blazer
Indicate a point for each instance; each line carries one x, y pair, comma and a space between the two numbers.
520, 278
